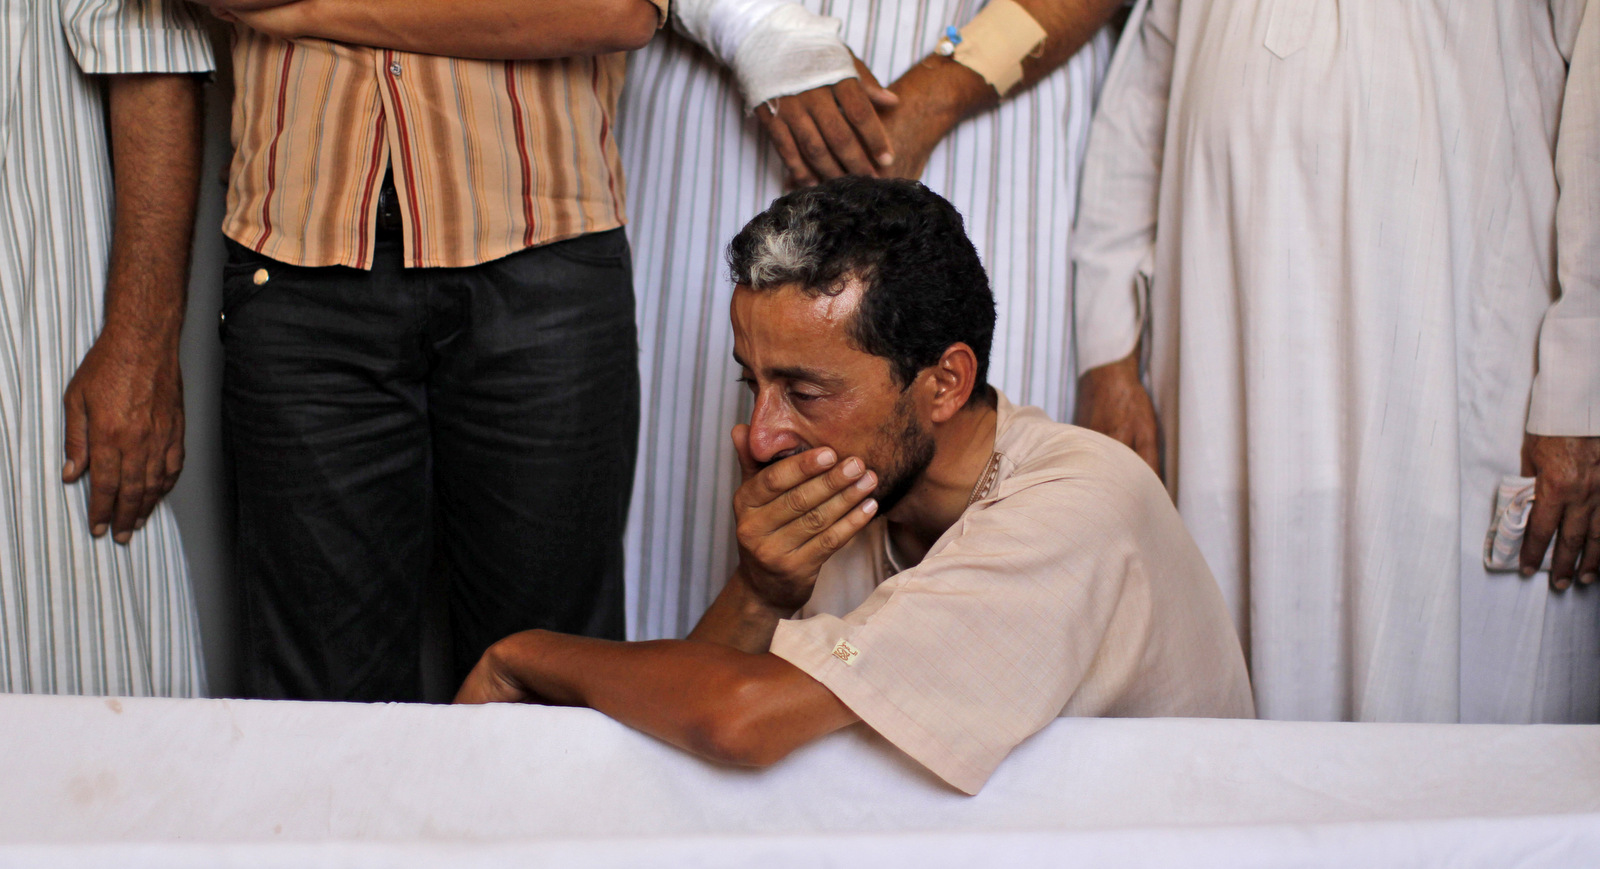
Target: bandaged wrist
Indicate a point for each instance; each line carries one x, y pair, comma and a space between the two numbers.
995, 42
721, 25
788, 52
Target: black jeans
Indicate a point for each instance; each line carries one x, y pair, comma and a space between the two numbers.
480, 422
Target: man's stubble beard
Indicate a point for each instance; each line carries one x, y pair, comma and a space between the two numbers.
911, 450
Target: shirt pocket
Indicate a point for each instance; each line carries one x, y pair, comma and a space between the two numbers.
1290, 25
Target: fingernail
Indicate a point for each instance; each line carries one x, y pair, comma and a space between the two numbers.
870, 506
852, 468
123, 536
826, 458
1561, 585
1589, 578
99, 530
1527, 571
886, 159
866, 483
68, 468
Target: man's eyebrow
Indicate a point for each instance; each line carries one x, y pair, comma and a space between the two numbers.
809, 375
796, 372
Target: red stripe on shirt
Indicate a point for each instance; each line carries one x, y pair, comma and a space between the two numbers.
522, 154
272, 151
366, 216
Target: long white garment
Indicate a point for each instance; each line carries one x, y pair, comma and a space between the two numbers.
77, 615
698, 168
1343, 217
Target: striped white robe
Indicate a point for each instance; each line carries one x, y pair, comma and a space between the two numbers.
698, 168
77, 615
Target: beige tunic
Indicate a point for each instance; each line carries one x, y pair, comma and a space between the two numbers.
1070, 588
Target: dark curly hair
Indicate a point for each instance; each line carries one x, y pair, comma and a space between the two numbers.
925, 287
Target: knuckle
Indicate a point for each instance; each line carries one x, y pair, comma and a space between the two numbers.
814, 521
836, 130
812, 146
795, 502
1561, 487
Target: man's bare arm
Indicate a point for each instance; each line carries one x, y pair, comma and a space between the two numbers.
488, 29
720, 693
709, 699
938, 93
124, 406
740, 618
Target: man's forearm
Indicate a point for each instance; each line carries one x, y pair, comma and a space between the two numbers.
739, 618
943, 92
488, 29
709, 699
155, 124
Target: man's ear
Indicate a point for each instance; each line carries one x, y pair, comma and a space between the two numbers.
955, 375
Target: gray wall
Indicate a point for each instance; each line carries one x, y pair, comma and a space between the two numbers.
201, 500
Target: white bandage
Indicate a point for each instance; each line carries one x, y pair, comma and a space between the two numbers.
720, 25
995, 41
774, 48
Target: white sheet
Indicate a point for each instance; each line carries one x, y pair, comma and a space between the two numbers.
99, 782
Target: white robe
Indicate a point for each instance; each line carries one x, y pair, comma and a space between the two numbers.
1343, 223
698, 168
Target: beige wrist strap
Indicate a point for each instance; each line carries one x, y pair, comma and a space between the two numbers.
996, 40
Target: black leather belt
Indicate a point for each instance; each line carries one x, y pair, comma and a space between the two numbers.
389, 220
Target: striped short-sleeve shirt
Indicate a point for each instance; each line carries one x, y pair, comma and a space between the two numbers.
489, 157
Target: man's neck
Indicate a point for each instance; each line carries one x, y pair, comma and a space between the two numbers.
941, 494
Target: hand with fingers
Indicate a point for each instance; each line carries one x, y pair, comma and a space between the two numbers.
832, 130
1566, 507
793, 515
1112, 400
124, 428
494, 680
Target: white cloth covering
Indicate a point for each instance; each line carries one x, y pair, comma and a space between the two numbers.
77, 615
1069, 588
1348, 219
205, 783
775, 48
698, 169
